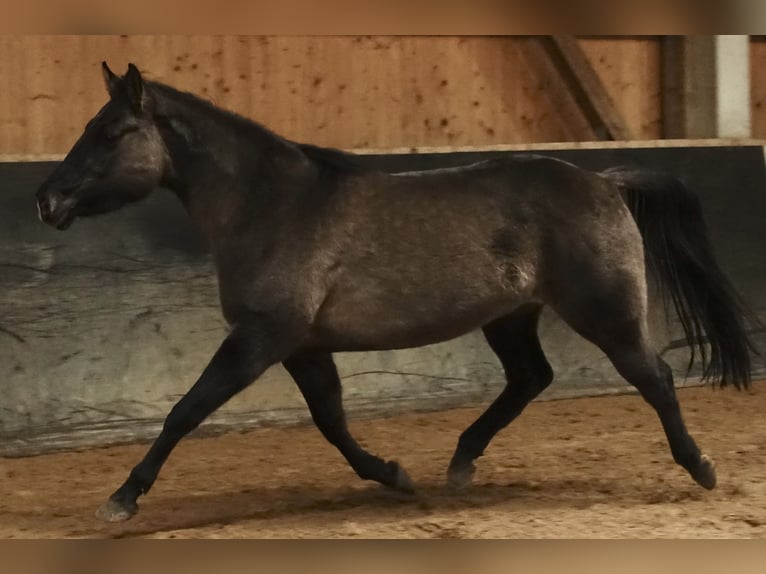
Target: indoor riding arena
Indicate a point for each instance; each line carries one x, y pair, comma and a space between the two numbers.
105, 326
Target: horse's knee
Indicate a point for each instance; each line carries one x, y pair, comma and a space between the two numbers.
544, 375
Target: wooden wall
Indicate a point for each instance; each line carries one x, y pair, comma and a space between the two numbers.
350, 92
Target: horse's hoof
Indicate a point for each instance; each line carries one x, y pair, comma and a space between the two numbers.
401, 482
460, 478
705, 474
113, 511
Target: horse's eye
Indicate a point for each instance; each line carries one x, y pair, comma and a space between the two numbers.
112, 136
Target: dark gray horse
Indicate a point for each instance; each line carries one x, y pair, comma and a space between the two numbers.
317, 254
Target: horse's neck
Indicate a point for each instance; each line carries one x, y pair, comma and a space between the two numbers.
221, 171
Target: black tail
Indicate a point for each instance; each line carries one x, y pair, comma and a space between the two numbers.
680, 257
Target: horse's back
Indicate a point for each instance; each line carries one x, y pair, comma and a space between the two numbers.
426, 256
399, 260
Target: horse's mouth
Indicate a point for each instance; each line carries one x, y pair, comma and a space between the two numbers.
56, 210
64, 221
61, 219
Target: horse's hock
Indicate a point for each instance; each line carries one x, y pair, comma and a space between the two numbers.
105, 327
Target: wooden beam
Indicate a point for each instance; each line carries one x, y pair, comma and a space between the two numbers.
588, 89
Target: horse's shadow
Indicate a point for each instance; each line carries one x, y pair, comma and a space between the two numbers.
185, 512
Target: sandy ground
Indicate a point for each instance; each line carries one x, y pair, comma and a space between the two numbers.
596, 467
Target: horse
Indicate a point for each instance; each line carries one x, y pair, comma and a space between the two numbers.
317, 253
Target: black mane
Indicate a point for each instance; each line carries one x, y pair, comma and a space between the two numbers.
329, 158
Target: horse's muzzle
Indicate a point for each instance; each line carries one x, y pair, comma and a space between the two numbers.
53, 210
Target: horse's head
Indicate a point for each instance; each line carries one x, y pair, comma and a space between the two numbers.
120, 157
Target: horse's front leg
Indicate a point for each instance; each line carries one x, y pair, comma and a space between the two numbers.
252, 346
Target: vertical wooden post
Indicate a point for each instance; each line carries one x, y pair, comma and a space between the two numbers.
706, 86
733, 111
673, 90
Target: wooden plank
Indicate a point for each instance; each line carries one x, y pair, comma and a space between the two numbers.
349, 92
546, 146
584, 82
555, 146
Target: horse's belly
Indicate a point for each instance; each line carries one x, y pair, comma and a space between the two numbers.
401, 323
416, 299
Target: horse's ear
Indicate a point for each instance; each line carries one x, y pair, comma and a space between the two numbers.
134, 85
111, 80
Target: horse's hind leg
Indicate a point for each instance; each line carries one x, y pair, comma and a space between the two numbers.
514, 340
615, 320
653, 377
317, 378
